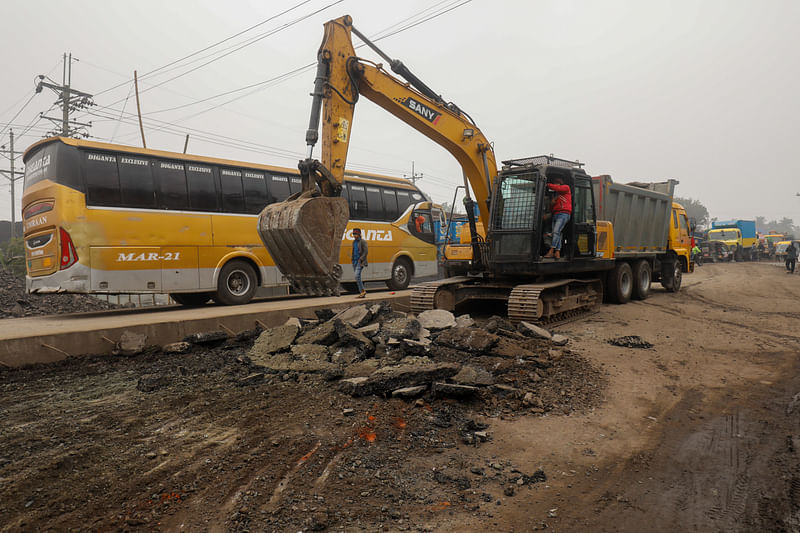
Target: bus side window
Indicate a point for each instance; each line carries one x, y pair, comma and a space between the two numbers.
172, 192
136, 182
374, 204
255, 191
232, 197
279, 187
390, 204
358, 201
202, 187
102, 179
295, 184
346, 196
403, 201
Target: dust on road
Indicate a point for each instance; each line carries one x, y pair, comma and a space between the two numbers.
700, 432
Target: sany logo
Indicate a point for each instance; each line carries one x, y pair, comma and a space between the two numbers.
422, 110
370, 235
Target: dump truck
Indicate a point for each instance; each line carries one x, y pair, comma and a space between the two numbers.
651, 232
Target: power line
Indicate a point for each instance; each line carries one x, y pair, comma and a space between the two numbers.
309, 66
18, 112
163, 67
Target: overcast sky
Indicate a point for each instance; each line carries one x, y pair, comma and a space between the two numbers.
703, 91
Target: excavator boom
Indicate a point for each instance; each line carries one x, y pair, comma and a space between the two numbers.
303, 234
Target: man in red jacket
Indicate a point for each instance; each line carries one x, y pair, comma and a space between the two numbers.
561, 208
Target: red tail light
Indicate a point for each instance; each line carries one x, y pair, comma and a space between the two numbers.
37, 209
68, 254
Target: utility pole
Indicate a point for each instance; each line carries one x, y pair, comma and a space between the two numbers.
414, 176
69, 100
10, 175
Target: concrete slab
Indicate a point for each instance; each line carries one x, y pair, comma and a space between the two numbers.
30, 340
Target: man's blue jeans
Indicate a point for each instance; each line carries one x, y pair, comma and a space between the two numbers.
559, 221
358, 268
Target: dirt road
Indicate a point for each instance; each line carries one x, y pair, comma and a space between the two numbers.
701, 432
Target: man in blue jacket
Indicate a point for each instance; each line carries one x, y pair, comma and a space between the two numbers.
359, 260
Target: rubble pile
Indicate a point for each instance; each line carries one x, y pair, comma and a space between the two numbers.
630, 341
374, 350
15, 302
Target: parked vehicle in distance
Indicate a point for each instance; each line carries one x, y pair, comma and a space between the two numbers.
715, 252
739, 235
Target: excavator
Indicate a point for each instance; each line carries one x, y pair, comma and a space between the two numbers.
506, 264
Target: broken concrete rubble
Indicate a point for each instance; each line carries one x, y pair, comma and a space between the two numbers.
436, 319
277, 339
453, 390
390, 378
464, 321
469, 375
324, 333
435, 356
356, 316
401, 328
409, 392
532, 330
349, 336
472, 340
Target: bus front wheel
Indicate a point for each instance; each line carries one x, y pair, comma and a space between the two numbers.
190, 299
237, 283
401, 275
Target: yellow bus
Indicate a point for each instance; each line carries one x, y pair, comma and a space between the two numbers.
110, 219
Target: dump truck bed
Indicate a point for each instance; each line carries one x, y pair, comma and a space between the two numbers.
639, 212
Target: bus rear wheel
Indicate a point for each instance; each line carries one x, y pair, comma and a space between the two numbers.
190, 299
237, 283
401, 275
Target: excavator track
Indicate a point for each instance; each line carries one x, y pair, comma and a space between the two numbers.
553, 302
423, 296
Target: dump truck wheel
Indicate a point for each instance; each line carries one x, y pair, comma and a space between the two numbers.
671, 276
237, 283
401, 275
620, 283
190, 299
642, 274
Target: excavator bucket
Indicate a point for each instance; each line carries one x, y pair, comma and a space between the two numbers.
303, 236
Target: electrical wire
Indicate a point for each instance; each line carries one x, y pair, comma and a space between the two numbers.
116, 129
18, 113
175, 62
169, 127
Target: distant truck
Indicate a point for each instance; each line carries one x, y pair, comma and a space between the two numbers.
739, 235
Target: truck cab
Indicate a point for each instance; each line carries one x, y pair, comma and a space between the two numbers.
680, 236
732, 237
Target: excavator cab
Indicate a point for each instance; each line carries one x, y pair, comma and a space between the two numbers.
520, 229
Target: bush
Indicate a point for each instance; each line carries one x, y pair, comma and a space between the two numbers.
12, 256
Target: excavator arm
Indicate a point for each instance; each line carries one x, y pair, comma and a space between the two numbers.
303, 234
